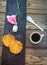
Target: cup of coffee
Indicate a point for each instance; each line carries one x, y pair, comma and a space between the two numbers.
36, 37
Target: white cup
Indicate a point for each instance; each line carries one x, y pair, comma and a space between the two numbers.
36, 37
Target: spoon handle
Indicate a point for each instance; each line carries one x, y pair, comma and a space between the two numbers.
38, 26
32, 21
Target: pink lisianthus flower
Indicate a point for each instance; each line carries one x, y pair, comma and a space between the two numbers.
12, 19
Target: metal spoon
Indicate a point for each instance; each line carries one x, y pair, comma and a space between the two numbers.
32, 21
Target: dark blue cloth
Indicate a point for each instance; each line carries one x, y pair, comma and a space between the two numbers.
11, 9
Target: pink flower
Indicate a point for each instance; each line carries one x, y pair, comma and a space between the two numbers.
12, 19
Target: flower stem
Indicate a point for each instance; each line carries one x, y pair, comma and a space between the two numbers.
18, 8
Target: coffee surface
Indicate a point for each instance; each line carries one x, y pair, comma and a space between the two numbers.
35, 37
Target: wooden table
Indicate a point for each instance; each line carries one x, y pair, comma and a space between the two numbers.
37, 9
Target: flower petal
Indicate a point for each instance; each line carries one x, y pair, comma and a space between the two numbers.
12, 19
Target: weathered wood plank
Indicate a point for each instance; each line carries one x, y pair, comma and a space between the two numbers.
2, 3
31, 11
28, 25
0, 54
1, 35
37, 6
42, 44
2, 9
3, 6
0, 50
34, 56
2, 19
2, 0
1, 24
41, 20
33, 6
36, 18
31, 26
2, 16
37, 9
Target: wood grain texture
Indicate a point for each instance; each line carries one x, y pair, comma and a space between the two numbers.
31, 58
37, 6
2, 6
1, 35
36, 56
37, 9
42, 44
33, 6
41, 20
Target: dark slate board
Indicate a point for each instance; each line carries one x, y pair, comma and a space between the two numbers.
11, 9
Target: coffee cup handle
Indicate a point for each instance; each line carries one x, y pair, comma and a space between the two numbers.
42, 35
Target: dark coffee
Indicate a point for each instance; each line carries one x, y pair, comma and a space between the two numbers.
35, 37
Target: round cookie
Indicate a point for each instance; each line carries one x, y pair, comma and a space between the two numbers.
7, 39
16, 47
